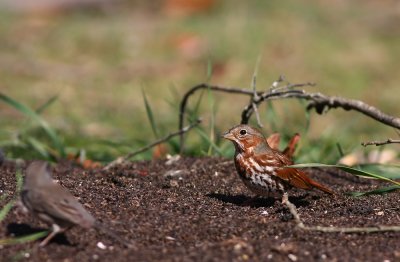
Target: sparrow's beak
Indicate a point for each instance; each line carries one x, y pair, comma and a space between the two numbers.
229, 136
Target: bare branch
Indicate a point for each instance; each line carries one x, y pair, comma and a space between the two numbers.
319, 101
379, 143
185, 99
322, 102
293, 210
257, 115
274, 94
181, 131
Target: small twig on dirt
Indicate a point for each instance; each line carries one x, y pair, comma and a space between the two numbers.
379, 143
293, 210
121, 160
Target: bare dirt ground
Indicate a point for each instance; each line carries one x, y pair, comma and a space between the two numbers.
197, 209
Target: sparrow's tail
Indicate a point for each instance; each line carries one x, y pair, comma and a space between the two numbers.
321, 187
299, 179
112, 234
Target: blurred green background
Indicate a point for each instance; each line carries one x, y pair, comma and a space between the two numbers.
97, 57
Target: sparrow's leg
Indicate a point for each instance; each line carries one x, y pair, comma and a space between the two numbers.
55, 230
285, 198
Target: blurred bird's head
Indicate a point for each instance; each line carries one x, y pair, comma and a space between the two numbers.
38, 173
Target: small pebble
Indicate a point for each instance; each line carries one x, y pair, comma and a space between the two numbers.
170, 238
238, 247
172, 159
292, 257
101, 245
173, 173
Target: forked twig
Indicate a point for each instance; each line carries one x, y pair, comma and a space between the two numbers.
229, 90
319, 101
122, 159
185, 99
379, 143
293, 210
322, 102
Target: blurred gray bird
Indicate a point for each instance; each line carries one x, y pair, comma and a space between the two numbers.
54, 205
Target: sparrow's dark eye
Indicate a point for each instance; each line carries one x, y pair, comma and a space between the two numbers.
243, 132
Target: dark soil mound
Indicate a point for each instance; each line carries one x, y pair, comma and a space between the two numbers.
198, 209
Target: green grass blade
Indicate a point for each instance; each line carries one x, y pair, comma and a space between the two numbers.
195, 112
38, 147
23, 239
340, 149
43, 107
271, 115
150, 115
2, 197
209, 141
379, 191
211, 102
389, 171
307, 115
33, 115
4, 211
209, 70
350, 170
20, 180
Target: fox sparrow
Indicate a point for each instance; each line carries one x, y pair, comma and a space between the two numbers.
262, 168
54, 205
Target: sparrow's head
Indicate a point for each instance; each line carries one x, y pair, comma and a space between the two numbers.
245, 137
38, 173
